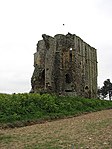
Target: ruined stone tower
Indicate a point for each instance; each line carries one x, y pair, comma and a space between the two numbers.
65, 64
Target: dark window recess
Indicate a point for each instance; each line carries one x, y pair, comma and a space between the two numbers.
68, 78
70, 57
86, 87
68, 90
43, 77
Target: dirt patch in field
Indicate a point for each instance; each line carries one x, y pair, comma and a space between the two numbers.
90, 131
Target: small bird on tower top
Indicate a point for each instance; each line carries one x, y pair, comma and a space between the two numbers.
63, 24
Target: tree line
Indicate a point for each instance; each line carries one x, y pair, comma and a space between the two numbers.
105, 90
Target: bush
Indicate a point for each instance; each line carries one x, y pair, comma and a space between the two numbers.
31, 107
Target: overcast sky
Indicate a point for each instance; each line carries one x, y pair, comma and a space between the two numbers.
22, 22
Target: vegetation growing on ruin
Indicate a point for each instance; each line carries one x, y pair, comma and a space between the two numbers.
27, 108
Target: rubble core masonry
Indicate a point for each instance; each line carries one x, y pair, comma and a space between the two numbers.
65, 64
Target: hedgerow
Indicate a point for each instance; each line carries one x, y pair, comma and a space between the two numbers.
33, 107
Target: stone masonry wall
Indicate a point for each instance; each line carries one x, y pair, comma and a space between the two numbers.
65, 64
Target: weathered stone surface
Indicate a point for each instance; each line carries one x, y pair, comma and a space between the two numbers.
65, 64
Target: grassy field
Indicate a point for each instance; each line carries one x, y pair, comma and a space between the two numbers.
90, 131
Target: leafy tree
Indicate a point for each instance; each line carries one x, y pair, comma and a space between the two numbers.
106, 89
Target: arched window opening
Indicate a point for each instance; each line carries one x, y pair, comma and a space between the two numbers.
70, 56
68, 78
86, 87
